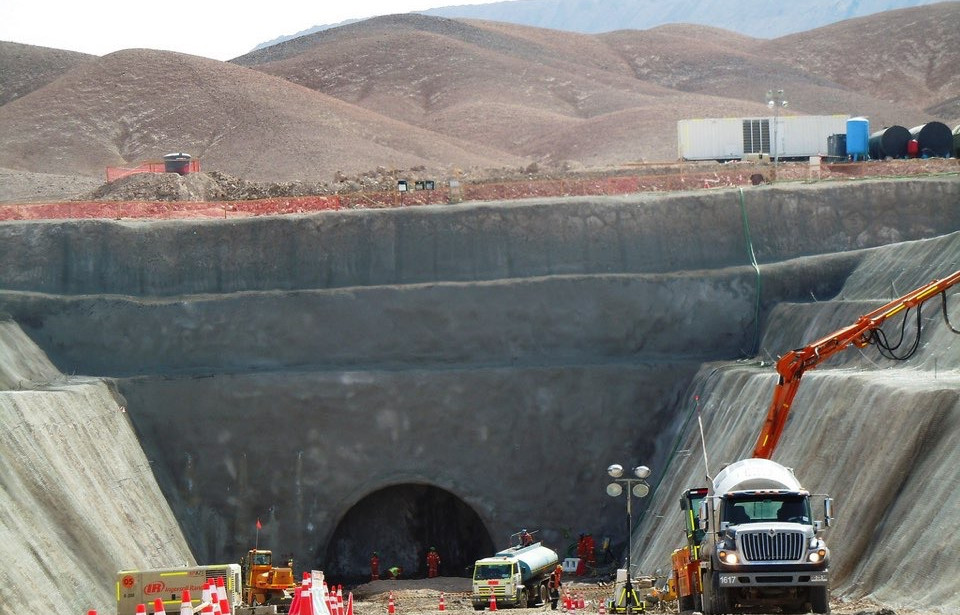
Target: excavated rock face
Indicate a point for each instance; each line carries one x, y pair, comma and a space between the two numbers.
382, 380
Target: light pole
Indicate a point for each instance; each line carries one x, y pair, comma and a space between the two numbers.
775, 101
639, 488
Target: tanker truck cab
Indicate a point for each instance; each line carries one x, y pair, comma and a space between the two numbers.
513, 577
762, 547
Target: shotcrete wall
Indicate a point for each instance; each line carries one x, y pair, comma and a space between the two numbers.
880, 436
286, 369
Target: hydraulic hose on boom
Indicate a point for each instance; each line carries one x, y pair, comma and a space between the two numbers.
864, 331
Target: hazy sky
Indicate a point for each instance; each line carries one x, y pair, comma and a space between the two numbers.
218, 29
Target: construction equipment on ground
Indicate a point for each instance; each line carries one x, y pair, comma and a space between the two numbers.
752, 542
137, 587
517, 576
760, 545
626, 599
265, 584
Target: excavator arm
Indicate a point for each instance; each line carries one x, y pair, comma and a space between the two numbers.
793, 364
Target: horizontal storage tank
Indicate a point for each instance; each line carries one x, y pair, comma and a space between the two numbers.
858, 137
934, 139
891, 142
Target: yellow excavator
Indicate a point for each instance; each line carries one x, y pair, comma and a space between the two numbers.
265, 584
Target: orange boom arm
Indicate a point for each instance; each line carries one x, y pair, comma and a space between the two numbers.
792, 365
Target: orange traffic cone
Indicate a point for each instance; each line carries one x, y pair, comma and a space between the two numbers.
580, 602
493, 602
158, 607
391, 609
295, 603
306, 601
222, 597
442, 606
206, 594
349, 604
186, 605
603, 608
92, 612
141, 609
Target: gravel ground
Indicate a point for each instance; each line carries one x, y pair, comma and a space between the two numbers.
422, 597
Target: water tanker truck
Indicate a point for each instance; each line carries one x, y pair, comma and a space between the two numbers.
517, 576
760, 546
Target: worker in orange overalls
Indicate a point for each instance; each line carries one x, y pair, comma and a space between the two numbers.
374, 566
433, 562
555, 583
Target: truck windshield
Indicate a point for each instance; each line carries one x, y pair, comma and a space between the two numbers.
788, 508
492, 571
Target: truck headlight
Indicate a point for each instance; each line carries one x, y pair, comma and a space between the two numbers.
728, 557
817, 556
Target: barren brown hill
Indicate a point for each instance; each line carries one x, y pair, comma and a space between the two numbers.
412, 91
140, 104
907, 57
25, 68
592, 100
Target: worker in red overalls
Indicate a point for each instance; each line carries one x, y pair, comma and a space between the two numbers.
433, 562
582, 555
590, 550
374, 566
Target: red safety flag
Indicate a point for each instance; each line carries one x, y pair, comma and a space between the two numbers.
258, 524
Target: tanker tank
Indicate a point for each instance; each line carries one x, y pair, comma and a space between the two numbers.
934, 139
891, 142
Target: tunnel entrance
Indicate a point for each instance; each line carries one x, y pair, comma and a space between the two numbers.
401, 523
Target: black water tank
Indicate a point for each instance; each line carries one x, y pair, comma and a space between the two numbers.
891, 142
935, 139
837, 146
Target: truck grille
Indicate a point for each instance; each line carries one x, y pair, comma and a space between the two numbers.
764, 546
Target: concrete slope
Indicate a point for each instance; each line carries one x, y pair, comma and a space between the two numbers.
475, 242
391, 380
880, 436
77, 494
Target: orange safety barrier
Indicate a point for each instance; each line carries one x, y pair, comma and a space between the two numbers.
651, 181
115, 173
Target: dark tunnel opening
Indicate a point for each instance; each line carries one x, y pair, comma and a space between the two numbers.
401, 523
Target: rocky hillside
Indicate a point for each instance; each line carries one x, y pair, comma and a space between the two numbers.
455, 97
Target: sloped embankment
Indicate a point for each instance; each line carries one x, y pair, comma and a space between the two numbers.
882, 437
77, 496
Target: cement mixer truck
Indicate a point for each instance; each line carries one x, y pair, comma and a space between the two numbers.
517, 577
760, 546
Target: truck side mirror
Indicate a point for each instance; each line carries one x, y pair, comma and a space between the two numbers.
704, 516
827, 511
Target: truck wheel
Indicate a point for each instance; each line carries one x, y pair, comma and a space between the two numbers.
478, 606
711, 599
820, 600
544, 595
523, 597
721, 603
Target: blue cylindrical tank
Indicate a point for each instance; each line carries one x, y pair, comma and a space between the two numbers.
934, 139
891, 142
858, 137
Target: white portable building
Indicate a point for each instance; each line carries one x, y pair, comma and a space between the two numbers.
734, 138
